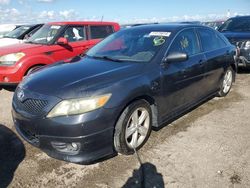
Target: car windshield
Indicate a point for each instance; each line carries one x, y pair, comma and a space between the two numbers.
2, 33
238, 24
17, 32
130, 45
45, 35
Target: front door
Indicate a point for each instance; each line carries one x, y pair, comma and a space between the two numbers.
182, 81
77, 43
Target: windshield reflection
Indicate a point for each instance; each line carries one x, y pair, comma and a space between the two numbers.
45, 35
17, 32
240, 25
130, 45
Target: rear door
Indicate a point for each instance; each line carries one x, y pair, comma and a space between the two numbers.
183, 81
98, 32
217, 55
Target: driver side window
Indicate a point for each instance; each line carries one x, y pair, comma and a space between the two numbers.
185, 42
74, 34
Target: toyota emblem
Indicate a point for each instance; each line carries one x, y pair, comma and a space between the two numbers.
20, 95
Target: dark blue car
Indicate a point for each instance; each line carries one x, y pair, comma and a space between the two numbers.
136, 79
237, 30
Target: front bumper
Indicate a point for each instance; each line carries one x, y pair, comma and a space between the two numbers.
91, 133
10, 75
244, 57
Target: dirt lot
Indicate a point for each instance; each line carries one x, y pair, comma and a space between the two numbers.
208, 147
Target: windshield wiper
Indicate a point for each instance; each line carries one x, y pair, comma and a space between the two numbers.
31, 42
107, 58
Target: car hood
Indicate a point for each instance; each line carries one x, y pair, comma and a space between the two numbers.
14, 48
237, 35
79, 79
9, 41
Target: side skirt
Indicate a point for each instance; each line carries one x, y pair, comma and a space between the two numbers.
184, 110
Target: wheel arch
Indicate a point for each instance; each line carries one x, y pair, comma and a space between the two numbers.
35, 65
151, 101
235, 69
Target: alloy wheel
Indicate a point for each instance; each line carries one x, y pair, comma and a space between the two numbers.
137, 127
227, 82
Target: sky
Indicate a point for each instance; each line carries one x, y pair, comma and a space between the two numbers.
124, 11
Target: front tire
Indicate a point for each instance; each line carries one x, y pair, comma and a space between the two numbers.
227, 82
133, 128
33, 69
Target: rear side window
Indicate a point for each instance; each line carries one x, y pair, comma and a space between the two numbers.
186, 42
210, 40
99, 32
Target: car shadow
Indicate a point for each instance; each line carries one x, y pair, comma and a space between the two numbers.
9, 88
145, 177
242, 70
12, 153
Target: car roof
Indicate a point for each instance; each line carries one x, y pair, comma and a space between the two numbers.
82, 22
237, 17
168, 26
31, 25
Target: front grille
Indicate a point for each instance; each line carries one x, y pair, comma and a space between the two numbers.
32, 106
35, 105
238, 42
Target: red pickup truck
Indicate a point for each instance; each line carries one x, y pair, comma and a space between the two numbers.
54, 42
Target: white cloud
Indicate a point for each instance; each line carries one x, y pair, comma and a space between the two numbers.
197, 17
68, 14
4, 2
12, 15
47, 15
46, 1
15, 16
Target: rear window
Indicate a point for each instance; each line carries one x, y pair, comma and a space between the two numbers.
98, 32
236, 24
210, 40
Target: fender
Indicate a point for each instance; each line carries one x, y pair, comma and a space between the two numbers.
31, 61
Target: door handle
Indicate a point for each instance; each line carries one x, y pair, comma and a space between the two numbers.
201, 62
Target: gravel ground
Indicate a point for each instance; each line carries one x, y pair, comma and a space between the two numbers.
208, 147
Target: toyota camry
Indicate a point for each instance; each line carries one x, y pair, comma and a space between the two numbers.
107, 101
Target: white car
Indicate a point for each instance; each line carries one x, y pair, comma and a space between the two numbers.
19, 34
6, 28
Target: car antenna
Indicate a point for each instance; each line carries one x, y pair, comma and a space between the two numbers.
142, 174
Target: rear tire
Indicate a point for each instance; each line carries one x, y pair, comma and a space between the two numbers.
227, 82
133, 128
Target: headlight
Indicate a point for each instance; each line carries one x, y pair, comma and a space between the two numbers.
78, 106
247, 44
11, 59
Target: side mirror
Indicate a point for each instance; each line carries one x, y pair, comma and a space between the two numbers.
62, 41
176, 57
